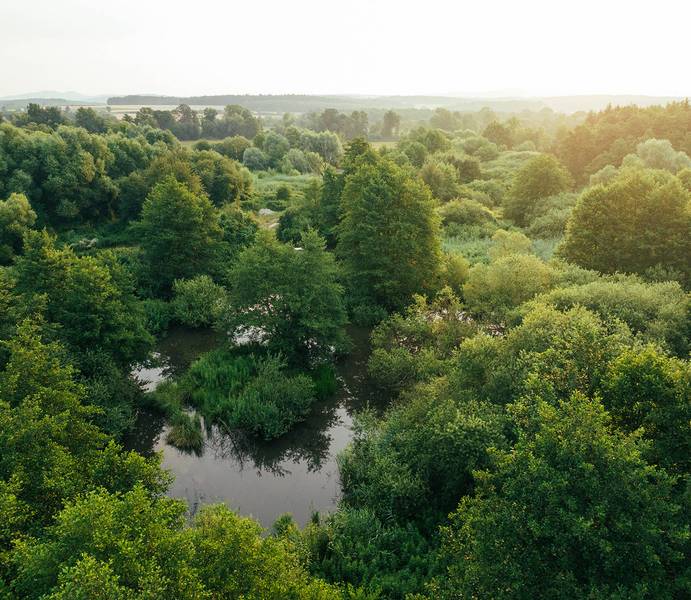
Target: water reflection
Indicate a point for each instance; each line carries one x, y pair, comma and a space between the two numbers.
295, 473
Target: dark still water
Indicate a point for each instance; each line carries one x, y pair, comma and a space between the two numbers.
294, 474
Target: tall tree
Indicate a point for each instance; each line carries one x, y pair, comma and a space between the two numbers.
290, 294
388, 238
540, 177
573, 511
639, 221
179, 234
16, 218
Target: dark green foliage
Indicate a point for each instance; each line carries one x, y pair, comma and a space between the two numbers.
638, 221
645, 389
252, 393
135, 188
330, 206
554, 421
63, 173
325, 381
354, 546
294, 222
417, 463
573, 511
223, 179
304, 214
179, 234
157, 314
198, 301
388, 238
90, 299
90, 120
254, 159
418, 345
288, 295
238, 228
50, 450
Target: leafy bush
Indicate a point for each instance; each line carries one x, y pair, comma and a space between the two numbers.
416, 463
646, 390
354, 546
197, 302
442, 179
254, 159
636, 222
541, 177
506, 242
550, 224
493, 291
468, 212
656, 312
417, 345
571, 486
560, 352
455, 270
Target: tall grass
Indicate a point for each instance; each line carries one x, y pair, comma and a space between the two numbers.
186, 430
251, 392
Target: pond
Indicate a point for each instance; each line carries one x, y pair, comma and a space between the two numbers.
295, 473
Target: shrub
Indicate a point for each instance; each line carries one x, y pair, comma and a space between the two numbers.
455, 271
493, 290
541, 177
467, 212
198, 301
417, 345
505, 243
254, 159
418, 461
232, 147
638, 221
656, 312
550, 224
353, 546
442, 179
559, 352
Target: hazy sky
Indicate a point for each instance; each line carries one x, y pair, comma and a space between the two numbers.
527, 47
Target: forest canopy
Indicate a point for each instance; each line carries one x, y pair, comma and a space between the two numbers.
521, 278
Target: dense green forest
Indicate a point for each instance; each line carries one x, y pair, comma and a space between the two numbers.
525, 277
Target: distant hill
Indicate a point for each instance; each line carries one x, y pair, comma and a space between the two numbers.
307, 103
53, 95
22, 103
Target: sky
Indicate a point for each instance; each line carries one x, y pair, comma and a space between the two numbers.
378, 47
